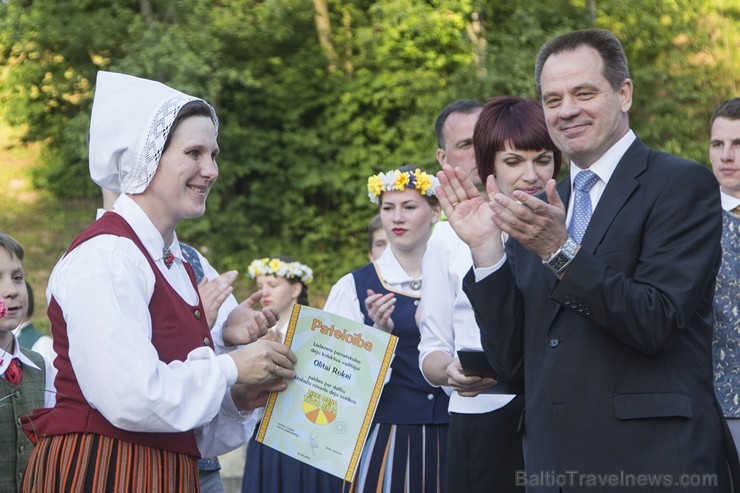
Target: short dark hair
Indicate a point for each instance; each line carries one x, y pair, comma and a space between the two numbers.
197, 107
11, 245
729, 109
515, 121
374, 225
604, 42
465, 106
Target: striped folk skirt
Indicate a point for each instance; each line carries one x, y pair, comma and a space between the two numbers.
402, 458
93, 463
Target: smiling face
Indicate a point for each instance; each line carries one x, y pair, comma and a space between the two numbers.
458, 136
407, 218
278, 293
12, 291
185, 174
584, 114
724, 153
527, 171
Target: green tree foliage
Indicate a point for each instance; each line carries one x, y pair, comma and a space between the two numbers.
49, 53
679, 70
305, 119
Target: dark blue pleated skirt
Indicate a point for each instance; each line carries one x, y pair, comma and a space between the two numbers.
403, 458
269, 471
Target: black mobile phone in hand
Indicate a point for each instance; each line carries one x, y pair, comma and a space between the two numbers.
475, 363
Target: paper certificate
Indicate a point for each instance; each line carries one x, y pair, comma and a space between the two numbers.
323, 417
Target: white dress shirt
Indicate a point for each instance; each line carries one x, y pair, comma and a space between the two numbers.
104, 287
604, 168
447, 318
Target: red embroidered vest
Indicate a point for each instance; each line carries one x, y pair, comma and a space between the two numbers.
177, 329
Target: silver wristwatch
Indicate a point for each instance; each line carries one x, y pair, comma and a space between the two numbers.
558, 261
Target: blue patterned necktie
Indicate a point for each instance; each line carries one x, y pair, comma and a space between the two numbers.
582, 183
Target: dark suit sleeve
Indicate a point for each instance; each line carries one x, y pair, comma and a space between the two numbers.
649, 281
501, 341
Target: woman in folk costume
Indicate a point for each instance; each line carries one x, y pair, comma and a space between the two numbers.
406, 447
283, 283
140, 392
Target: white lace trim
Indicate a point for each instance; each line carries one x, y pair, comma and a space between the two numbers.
159, 129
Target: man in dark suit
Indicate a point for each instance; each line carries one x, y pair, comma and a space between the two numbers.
603, 293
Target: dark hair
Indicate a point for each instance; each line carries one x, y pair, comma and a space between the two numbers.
31, 303
374, 225
729, 109
615, 68
465, 106
515, 121
431, 199
11, 245
196, 107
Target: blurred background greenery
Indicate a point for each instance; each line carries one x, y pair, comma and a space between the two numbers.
313, 97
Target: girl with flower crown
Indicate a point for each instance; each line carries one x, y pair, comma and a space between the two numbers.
283, 282
405, 449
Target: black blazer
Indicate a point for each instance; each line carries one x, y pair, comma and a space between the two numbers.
617, 355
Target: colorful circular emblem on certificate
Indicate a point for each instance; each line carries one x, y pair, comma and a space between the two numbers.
318, 408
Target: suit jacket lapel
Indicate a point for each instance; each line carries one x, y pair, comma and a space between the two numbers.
621, 185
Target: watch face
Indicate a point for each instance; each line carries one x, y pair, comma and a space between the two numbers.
558, 261
562, 258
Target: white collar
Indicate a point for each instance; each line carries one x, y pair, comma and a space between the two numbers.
22, 326
149, 235
392, 271
728, 201
17, 353
604, 166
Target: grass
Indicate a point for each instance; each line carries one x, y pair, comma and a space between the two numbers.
44, 225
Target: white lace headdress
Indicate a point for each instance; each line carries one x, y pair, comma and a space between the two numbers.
131, 119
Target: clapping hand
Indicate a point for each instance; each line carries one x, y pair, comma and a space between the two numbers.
466, 209
213, 293
538, 225
470, 215
380, 308
245, 324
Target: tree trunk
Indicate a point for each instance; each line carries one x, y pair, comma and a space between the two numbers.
347, 25
474, 28
591, 6
146, 10
323, 29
